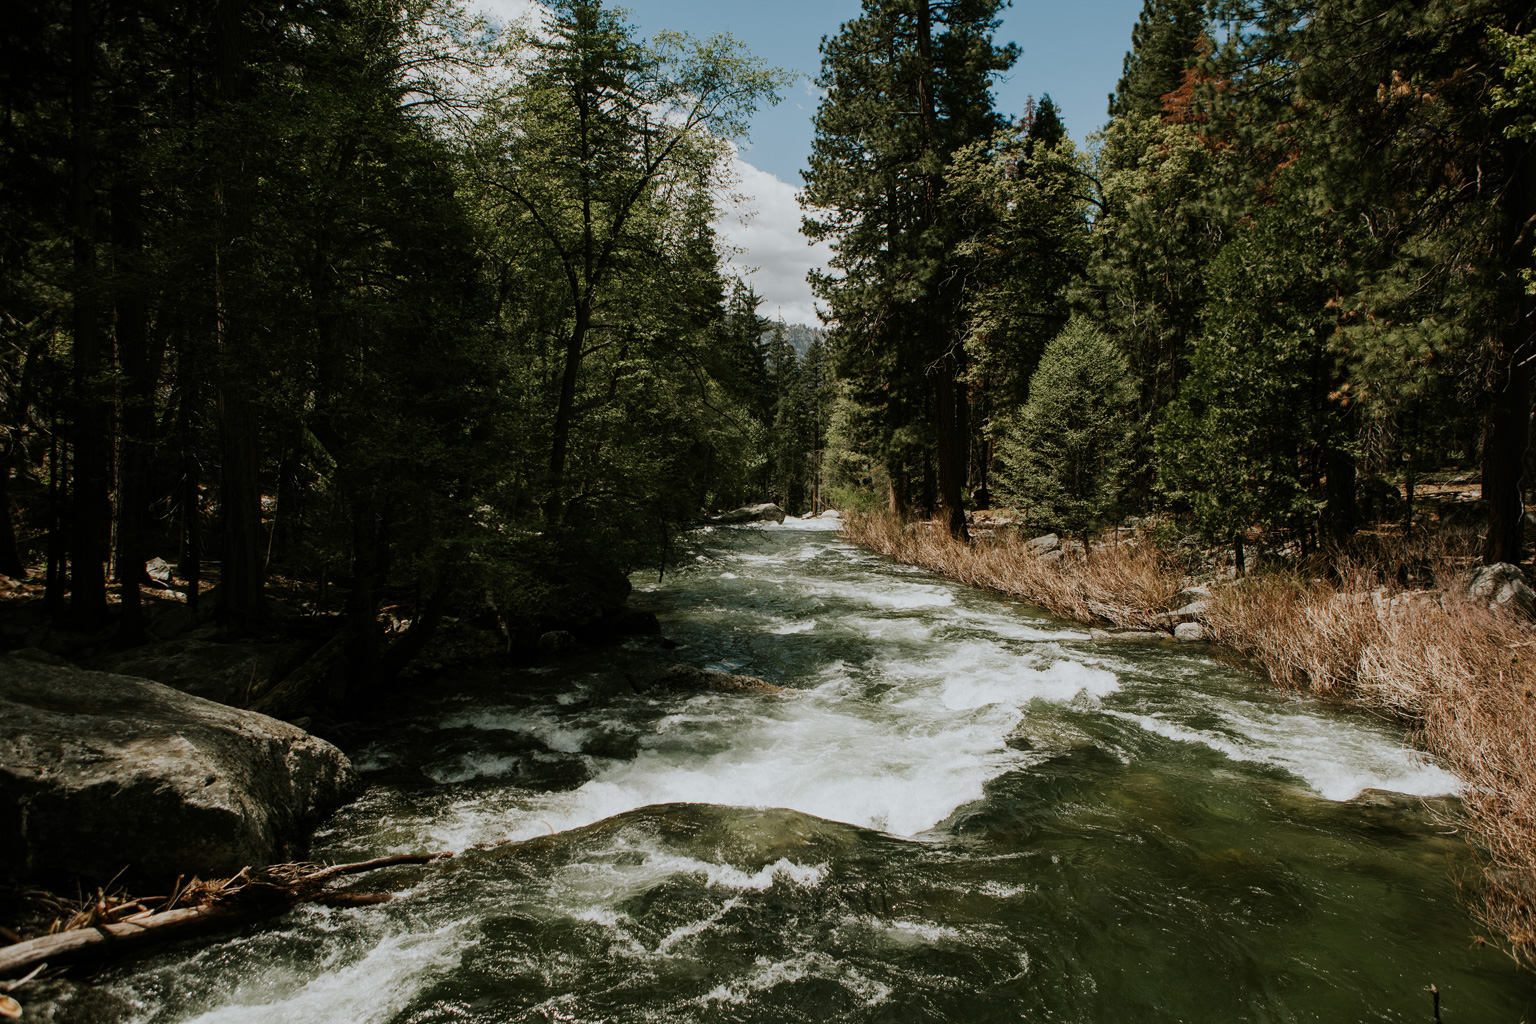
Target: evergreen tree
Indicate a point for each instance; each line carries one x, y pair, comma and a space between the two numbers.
1066, 450
901, 99
1165, 44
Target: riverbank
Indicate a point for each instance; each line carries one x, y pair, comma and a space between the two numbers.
1460, 674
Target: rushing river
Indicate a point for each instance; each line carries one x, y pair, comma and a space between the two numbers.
962, 810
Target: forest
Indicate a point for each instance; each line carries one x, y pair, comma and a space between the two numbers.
374, 300
1291, 275
386, 303
359, 359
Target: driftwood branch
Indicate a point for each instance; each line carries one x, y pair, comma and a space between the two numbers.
250, 896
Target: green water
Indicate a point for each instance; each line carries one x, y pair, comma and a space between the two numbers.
963, 810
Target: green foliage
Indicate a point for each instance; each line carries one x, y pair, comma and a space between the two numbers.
1067, 448
1021, 196
1164, 45
907, 86
347, 346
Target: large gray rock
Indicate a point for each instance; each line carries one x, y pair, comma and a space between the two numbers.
764, 513
1126, 635
1195, 611
1189, 632
1502, 587
1191, 594
102, 772
237, 673
1044, 544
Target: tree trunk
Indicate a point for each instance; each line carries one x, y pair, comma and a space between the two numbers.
953, 454
560, 436
1506, 427
10, 558
1507, 416
249, 897
239, 484
900, 492
58, 475
90, 517
191, 557
1341, 510
137, 407
363, 657
239, 514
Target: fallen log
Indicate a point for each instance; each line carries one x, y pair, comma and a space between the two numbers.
248, 897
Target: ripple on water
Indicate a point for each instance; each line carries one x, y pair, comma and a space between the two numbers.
955, 800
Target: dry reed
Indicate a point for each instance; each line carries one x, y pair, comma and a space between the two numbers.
1127, 584
1462, 676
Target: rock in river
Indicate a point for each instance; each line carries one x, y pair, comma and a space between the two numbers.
764, 513
688, 678
99, 772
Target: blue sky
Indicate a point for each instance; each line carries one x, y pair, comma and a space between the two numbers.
1071, 50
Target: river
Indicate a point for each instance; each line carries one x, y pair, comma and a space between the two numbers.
962, 810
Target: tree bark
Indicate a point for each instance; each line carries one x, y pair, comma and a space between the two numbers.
240, 576
10, 558
90, 518
1507, 415
136, 404
953, 435
1506, 428
1342, 510
560, 436
267, 893
950, 404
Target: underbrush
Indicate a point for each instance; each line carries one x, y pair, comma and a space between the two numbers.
1460, 675
1128, 585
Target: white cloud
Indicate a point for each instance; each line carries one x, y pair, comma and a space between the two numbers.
509, 11
775, 256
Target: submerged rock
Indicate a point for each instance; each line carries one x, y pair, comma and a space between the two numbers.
686, 678
102, 772
1128, 635
557, 641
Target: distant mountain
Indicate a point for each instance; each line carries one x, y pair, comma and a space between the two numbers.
799, 336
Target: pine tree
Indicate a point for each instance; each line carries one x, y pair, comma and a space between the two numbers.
1165, 43
901, 100
1066, 450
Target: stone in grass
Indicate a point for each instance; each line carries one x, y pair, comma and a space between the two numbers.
1189, 632
1191, 612
1189, 595
101, 773
1043, 544
1502, 587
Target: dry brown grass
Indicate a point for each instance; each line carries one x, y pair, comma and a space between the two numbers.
1126, 584
1462, 676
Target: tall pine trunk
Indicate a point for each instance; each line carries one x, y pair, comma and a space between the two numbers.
240, 570
950, 405
1507, 415
90, 518
136, 406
